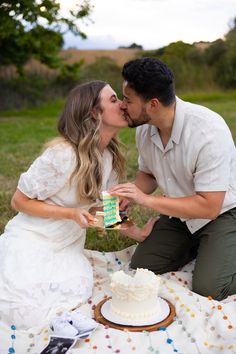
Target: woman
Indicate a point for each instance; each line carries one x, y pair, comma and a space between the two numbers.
42, 266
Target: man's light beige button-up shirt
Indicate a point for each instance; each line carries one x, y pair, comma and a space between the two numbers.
199, 157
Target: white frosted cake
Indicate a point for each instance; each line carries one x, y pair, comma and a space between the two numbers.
135, 298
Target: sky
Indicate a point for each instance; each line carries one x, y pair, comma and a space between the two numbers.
151, 23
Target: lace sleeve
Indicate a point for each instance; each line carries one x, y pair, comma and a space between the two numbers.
48, 173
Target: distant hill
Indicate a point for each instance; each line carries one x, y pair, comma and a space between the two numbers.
120, 56
202, 45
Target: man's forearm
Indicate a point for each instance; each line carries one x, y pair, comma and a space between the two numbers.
199, 206
147, 183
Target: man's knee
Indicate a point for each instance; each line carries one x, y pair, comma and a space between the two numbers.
140, 261
156, 263
210, 287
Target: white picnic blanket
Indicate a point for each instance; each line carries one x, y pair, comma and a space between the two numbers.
201, 326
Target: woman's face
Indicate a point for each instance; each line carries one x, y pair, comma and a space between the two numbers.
112, 115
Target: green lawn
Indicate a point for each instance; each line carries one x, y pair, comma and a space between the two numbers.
23, 134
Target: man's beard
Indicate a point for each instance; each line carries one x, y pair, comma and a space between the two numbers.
143, 118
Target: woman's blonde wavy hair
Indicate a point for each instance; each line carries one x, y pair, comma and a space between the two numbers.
79, 125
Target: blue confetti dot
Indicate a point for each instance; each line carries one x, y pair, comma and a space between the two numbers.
11, 350
13, 327
175, 350
162, 328
13, 336
169, 341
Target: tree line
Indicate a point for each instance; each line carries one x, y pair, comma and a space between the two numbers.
216, 61
35, 29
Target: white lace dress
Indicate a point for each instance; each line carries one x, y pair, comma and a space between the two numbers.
42, 266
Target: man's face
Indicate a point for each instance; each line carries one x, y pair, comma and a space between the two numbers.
134, 107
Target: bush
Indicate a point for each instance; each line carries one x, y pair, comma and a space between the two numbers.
28, 91
188, 65
32, 89
104, 69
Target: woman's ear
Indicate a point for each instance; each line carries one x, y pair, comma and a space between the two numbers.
94, 114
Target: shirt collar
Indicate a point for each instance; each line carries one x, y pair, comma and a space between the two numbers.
176, 129
178, 121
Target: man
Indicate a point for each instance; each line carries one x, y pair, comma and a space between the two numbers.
187, 150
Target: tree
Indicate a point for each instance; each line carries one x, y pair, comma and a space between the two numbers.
132, 46
215, 51
35, 28
225, 66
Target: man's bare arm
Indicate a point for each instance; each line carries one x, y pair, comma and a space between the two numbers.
146, 182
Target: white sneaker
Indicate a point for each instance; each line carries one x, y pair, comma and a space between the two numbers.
80, 321
61, 327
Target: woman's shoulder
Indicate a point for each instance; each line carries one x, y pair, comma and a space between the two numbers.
59, 146
59, 151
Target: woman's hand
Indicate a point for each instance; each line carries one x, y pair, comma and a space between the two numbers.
138, 234
82, 217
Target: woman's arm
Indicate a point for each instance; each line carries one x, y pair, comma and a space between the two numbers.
35, 207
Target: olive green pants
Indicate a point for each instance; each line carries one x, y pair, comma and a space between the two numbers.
170, 246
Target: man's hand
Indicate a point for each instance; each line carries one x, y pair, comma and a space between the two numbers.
124, 205
138, 234
129, 191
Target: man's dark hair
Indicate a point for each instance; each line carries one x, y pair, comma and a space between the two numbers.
150, 78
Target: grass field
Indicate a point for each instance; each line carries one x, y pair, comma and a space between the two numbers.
23, 134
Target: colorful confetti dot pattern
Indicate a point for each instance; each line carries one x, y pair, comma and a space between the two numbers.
202, 325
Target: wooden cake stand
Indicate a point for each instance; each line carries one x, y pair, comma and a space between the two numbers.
166, 322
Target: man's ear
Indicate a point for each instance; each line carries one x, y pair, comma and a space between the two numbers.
154, 103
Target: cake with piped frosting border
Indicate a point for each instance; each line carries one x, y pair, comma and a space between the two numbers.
135, 297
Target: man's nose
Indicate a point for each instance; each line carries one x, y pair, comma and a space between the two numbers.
123, 105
